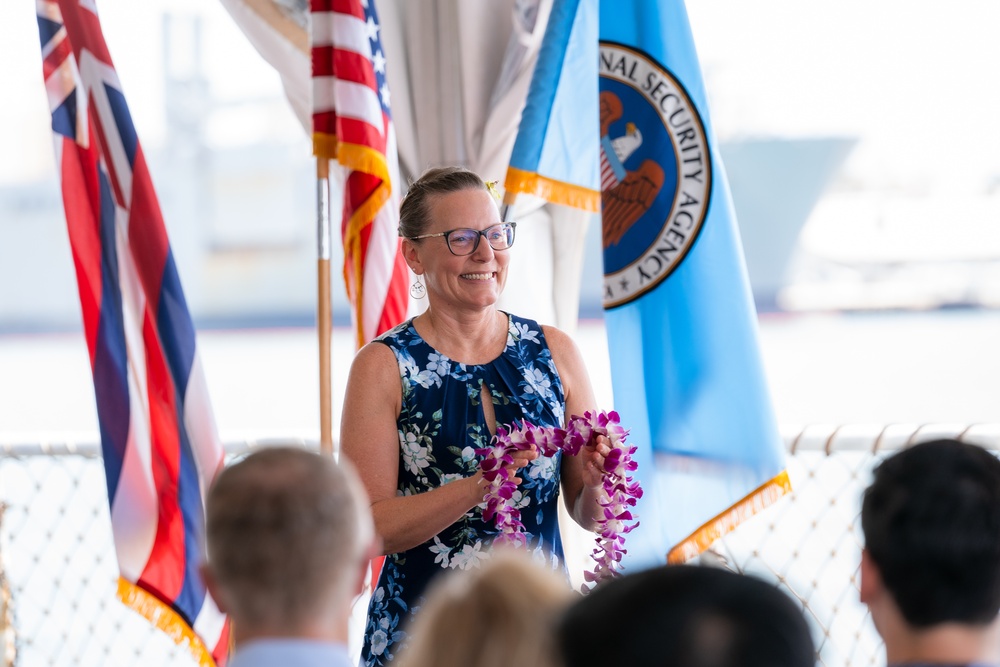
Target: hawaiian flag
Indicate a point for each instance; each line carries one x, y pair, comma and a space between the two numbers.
352, 124
161, 450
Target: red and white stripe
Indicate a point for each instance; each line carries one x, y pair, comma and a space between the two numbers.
352, 124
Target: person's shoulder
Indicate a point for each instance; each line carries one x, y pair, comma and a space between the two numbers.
391, 336
377, 351
557, 338
388, 343
565, 352
377, 359
554, 333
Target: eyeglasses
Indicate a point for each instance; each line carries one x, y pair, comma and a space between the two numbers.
465, 241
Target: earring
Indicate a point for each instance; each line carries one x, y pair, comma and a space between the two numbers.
417, 290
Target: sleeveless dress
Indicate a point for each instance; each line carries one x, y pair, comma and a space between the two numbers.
440, 425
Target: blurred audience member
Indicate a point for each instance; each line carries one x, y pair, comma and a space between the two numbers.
686, 616
500, 615
289, 536
930, 569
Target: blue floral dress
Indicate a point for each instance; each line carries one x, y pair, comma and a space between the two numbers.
440, 425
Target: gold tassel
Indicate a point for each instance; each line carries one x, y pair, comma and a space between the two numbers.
722, 523
557, 192
166, 619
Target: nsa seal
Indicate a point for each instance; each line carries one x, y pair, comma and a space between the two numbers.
656, 173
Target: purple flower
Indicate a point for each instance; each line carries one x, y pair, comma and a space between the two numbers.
620, 491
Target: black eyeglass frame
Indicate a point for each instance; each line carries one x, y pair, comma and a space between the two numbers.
478, 232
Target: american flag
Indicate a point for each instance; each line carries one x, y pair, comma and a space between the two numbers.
158, 436
352, 124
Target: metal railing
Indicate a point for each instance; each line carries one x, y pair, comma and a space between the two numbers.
56, 546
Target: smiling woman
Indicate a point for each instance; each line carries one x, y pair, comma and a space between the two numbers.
467, 276
422, 398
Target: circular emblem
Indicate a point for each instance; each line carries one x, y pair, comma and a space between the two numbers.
656, 173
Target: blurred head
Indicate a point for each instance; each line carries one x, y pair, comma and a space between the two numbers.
453, 238
288, 535
498, 615
931, 522
686, 616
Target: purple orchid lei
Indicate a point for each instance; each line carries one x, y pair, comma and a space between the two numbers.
620, 491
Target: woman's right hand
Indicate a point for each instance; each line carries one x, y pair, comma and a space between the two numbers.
522, 458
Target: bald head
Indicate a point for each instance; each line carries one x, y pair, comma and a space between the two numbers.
288, 533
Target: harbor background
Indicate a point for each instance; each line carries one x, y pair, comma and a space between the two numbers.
880, 270
939, 366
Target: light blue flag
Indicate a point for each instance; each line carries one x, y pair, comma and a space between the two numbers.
682, 330
553, 155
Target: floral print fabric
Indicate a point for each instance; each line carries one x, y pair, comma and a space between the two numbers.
440, 426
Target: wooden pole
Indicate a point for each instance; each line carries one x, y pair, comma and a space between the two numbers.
324, 314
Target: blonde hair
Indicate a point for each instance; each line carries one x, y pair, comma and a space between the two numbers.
501, 614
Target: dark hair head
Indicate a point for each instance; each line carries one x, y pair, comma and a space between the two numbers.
414, 216
688, 616
931, 520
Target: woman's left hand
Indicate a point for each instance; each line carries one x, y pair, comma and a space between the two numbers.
593, 461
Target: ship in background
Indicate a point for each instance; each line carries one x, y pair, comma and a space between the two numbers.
776, 184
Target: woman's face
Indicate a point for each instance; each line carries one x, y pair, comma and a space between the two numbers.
470, 281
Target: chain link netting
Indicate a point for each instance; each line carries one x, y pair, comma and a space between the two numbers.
810, 542
58, 556
57, 551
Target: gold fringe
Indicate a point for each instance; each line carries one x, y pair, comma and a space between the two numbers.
352, 249
325, 145
364, 159
557, 192
722, 523
166, 619
369, 161
353, 156
362, 216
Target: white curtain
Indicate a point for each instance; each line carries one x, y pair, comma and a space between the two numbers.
458, 73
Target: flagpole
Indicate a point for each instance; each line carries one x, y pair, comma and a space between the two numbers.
508, 205
324, 316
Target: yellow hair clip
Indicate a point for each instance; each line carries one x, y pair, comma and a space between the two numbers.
491, 187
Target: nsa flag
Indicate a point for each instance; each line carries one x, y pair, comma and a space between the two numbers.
682, 330
686, 370
158, 437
